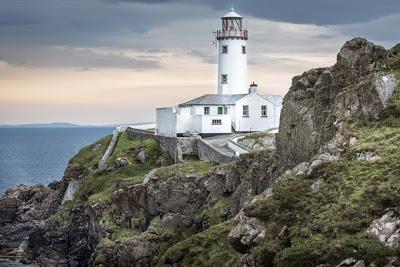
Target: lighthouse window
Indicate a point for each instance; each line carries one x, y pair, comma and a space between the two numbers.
244, 49
224, 78
224, 49
206, 110
263, 111
245, 111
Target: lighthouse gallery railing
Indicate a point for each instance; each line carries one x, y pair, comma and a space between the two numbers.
219, 34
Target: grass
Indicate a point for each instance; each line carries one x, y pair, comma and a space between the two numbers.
208, 248
217, 212
99, 187
125, 147
188, 168
90, 156
329, 224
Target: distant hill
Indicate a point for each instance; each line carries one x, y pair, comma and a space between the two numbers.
64, 125
41, 125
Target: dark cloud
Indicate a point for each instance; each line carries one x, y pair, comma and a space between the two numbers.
64, 57
319, 12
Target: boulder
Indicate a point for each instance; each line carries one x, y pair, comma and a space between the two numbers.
387, 230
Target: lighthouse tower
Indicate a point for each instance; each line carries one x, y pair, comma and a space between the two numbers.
232, 55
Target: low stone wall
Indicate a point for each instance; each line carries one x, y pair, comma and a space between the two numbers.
208, 152
238, 148
177, 147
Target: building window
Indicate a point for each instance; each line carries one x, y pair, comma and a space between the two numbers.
206, 110
225, 110
245, 111
224, 78
224, 49
220, 110
216, 122
264, 111
244, 51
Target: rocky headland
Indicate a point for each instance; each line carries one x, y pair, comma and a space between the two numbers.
327, 195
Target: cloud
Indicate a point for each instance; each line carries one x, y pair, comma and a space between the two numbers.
77, 58
327, 12
383, 30
205, 57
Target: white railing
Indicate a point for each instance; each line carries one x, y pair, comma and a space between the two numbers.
219, 34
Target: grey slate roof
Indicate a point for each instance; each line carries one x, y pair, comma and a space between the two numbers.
214, 99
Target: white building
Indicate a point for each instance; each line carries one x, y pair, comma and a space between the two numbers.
235, 107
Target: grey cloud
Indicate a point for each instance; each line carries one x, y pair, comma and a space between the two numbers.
326, 12
64, 57
383, 30
205, 57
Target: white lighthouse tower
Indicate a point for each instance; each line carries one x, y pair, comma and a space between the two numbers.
232, 55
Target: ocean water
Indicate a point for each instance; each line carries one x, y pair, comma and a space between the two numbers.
40, 155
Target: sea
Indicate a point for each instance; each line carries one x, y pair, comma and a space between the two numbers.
41, 154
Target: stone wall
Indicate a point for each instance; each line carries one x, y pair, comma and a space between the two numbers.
208, 152
177, 148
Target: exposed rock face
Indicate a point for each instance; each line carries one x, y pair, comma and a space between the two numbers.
22, 208
320, 100
248, 230
387, 230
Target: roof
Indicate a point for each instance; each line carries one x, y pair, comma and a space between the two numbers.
275, 99
214, 99
232, 14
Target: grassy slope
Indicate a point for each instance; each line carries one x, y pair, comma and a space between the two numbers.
100, 186
208, 248
90, 156
329, 224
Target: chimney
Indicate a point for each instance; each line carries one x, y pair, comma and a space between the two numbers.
253, 88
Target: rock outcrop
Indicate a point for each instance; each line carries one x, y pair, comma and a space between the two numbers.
320, 100
22, 208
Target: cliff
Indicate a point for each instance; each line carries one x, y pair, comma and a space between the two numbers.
327, 196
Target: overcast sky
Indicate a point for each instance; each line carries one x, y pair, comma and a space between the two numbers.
115, 61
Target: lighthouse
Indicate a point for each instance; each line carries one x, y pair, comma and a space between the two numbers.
232, 55
236, 107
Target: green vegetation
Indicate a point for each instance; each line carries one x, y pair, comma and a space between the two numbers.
100, 186
90, 156
188, 168
217, 212
208, 248
126, 148
329, 224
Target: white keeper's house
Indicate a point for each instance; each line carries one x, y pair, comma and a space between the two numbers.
236, 107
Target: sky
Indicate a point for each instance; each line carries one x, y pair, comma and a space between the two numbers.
115, 61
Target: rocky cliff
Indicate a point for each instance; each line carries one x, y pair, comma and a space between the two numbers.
326, 196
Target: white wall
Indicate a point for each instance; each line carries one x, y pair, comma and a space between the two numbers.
185, 120
166, 121
234, 64
255, 122
192, 119
209, 128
